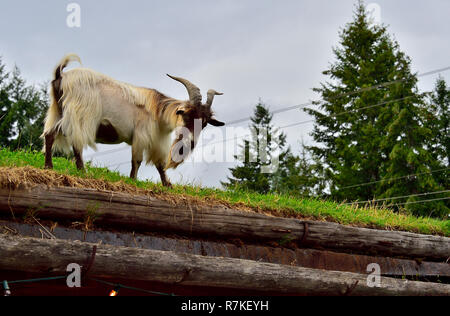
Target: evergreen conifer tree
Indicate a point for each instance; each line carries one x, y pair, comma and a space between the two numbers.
369, 125
22, 111
267, 145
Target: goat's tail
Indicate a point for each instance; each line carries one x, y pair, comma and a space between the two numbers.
55, 110
56, 89
63, 64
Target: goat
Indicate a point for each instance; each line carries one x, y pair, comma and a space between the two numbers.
88, 108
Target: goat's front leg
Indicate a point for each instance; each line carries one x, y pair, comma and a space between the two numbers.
136, 162
49, 140
162, 174
78, 153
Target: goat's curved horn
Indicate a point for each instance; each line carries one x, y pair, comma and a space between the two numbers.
194, 92
211, 95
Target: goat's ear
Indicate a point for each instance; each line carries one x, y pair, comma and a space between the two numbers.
181, 109
215, 122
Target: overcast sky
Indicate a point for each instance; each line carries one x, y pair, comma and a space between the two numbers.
249, 49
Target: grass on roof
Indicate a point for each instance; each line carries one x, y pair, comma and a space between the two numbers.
280, 205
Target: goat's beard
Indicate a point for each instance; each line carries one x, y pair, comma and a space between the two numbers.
179, 151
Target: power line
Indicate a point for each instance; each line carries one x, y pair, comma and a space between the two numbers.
112, 151
432, 72
381, 85
425, 201
93, 279
351, 111
119, 164
304, 105
291, 125
393, 179
284, 109
312, 120
38, 280
121, 286
397, 197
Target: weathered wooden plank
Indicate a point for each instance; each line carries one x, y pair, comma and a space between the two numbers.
39, 255
307, 258
150, 214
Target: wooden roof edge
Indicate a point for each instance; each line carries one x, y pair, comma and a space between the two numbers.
193, 270
151, 214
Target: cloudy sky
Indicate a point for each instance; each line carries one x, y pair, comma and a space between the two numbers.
249, 49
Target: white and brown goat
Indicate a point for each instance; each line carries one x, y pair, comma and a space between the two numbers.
88, 108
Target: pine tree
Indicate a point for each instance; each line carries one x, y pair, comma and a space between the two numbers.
406, 138
5, 107
369, 124
258, 153
300, 176
31, 133
437, 119
22, 111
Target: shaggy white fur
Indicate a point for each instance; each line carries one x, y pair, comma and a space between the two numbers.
91, 99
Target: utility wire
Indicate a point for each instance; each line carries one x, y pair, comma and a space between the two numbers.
393, 179
351, 111
425, 201
311, 121
288, 126
38, 280
96, 280
112, 151
397, 197
304, 105
121, 286
381, 85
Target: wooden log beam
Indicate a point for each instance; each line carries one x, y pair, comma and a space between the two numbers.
307, 258
142, 213
52, 256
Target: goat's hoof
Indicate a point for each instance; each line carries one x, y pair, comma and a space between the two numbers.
48, 167
168, 185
